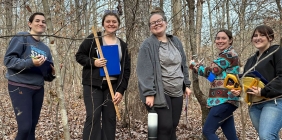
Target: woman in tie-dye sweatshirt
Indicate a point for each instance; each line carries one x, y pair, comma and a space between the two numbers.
222, 103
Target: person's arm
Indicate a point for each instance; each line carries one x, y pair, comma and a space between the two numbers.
274, 87
83, 56
51, 75
225, 62
187, 82
145, 72
126, 73
13, 58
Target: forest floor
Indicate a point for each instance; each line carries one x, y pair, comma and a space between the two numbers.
50, 127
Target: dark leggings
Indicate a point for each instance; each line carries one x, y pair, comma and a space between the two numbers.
168, 118
101, 100
220, 116
27, 105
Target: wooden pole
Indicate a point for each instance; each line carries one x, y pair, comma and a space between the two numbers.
105, 70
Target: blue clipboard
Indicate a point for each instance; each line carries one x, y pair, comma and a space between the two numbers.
111, 54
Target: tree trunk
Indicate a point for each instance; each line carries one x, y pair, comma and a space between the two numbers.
162, 4
278, 2
242, 42
211, 27
9, 25
199, 18
176, 17
198, 93
58, 80
229, 27
136, 21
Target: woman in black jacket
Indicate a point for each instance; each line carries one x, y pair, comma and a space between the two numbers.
96, 92
266, 113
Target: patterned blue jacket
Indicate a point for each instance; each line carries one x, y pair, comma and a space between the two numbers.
227, 62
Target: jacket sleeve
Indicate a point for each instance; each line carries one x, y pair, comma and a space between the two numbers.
274, 88
187, 82
49, 77
83, 55
126, 73
13, 57
225, 63
145, 71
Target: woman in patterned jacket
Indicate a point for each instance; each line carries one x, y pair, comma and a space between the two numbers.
222, 103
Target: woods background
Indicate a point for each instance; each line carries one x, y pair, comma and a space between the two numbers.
195, 22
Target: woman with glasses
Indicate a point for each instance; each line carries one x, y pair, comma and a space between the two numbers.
163, 75
96, 93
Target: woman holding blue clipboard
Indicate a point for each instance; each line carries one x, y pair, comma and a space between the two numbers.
221, 101
96, 93
266, 62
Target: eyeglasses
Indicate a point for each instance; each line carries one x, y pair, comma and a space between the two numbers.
159, 21
111, 11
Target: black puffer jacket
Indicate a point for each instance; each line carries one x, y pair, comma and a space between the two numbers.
84, 56
269, 68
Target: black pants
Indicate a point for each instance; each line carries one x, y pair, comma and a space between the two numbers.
27, 105
168, 118
98, 101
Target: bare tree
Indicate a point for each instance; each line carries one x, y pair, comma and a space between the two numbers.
199, 18
58, 80
278, 2
192, 40
176, 17
8, 15
136, 13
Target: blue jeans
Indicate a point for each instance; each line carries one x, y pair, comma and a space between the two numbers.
220, 116
267, 119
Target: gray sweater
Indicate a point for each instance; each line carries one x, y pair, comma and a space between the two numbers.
149, 70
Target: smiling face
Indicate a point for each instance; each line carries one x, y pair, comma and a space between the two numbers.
261, 41
222, 41
38, 25
110, 24
157, 25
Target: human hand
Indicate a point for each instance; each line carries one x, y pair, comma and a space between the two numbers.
235, 92
150, 101
188, 91
117, 99
38, 60
192, 62
100, 62
254, 91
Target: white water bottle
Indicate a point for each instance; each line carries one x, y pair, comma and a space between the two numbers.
152, 124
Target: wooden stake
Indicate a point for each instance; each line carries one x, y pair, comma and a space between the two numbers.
105, 70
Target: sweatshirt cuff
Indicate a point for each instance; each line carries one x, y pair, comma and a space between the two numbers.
263, 92
29, 63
